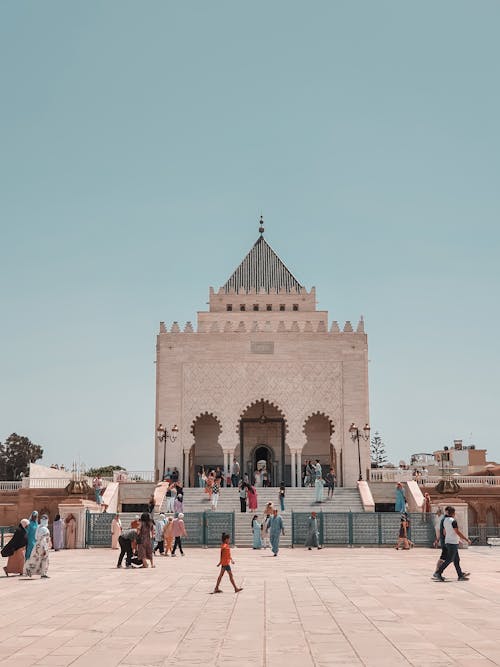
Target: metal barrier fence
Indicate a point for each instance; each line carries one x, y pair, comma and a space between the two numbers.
363, 528
479, 534
6, 532
98, 529
203, 528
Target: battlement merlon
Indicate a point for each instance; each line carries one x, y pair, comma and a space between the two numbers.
264, 322
282, 299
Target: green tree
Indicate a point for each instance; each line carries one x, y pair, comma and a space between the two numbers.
16, 454
104, 471
378, 454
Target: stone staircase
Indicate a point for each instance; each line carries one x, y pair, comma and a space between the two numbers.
296, 499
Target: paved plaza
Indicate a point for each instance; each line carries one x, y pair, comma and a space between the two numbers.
329, 607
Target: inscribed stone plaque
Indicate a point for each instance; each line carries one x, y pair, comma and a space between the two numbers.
262, 347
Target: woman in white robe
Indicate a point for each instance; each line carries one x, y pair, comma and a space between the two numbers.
38, 562
58, 533
116, 531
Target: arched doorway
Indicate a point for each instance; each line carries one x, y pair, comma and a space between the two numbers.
262, 427
262, 459
318, 430
206, 451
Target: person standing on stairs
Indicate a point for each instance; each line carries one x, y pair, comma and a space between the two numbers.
215, 494
281, 496
242, 492
252, 497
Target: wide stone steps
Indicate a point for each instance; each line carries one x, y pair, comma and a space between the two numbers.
296, 500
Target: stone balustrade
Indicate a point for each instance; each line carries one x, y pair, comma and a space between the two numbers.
10, 485
390, 475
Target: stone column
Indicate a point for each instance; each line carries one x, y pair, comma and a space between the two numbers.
299, 467
227, 462
293, 466
185, 467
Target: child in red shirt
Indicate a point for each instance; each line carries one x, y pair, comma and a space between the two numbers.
225, 564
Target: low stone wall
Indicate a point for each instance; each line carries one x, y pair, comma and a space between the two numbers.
16, 505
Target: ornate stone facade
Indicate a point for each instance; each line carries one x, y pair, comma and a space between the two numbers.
264, 354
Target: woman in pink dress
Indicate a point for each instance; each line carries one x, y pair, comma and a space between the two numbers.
252, 498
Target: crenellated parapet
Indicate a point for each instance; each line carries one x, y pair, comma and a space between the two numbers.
236, 326
272, 300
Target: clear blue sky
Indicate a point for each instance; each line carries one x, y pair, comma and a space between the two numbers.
140, 142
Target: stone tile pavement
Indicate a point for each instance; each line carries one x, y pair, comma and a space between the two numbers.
332, 607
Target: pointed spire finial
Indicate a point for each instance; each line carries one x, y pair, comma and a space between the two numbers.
261, 225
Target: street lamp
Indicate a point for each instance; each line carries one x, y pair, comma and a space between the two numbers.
356, 434
163, 435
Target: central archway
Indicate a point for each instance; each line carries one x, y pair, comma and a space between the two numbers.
262, 430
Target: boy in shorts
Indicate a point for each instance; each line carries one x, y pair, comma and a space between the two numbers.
225, 564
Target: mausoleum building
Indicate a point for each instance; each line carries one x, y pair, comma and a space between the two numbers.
265, 378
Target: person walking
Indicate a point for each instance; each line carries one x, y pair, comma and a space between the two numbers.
265, 525
98, 485
215, 493
209, 484
15, 549
400, 499
276, 530
252, 497
169, 498
452, 538
179, 531
242, 492
70, 531
330, 483
38, 562
404, 525
168, 536
58, 533
116, 531
426, 507
159, 529
151, 505
312, 539
437, 528
145, 540
319, 484
256, 529
225, 563
126, 540
179, 500
281, 496
440, 537
31, 533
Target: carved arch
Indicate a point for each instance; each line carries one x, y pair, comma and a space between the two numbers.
205, 414
319, 413
247, 406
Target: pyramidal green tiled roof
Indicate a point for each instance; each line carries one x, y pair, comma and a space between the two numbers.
262, 269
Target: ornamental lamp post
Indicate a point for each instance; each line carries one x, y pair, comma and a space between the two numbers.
356, 434
163, 435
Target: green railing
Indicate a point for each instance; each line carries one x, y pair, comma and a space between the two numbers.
363, 528
5, 531
203, 528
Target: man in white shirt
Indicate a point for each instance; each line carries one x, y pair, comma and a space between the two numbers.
452, 537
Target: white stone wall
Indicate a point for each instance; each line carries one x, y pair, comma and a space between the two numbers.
301, 372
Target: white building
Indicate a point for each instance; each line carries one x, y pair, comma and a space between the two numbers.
263, 377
